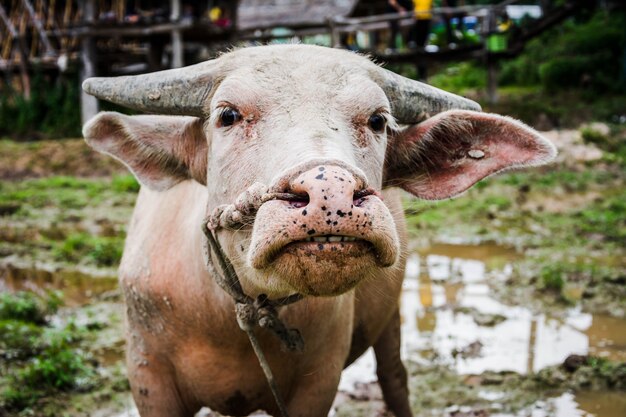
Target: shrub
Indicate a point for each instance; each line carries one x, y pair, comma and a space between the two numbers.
106, 252
103, 251
584, 53
58, 366
553, 277
19, 339
24, 306
51, 110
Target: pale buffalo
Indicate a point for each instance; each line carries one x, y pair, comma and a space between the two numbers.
322, 140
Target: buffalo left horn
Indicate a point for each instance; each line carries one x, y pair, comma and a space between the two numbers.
412, 101
180, 91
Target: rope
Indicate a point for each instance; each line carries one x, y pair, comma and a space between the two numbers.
250, 312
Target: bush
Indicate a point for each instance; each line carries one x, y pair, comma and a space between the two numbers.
103, 251
458, 77
553, 277
26, 307
18, 339
587, 54
52, 110
106, 252
58, 366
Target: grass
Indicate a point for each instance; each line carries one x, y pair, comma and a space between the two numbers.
40, 359
67, 220
102, 251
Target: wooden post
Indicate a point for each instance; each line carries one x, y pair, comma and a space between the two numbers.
177, 37
88, 103
492, 80
335, 37
22, 52
39, 27
234, 18
492, 65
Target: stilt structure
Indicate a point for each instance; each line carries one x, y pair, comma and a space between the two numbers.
115, 37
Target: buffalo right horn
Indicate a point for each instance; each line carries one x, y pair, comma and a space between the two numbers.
413, 101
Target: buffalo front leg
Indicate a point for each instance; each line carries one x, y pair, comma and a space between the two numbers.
152, 382
392, 375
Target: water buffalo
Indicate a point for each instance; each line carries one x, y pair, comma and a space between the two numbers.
333, 138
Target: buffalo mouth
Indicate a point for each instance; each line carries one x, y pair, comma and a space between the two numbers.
326, 246
325, 265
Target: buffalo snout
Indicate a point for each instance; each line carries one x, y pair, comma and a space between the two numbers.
327, 223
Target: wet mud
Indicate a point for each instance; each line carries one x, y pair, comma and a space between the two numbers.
514, 301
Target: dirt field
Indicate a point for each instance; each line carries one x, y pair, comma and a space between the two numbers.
503, 286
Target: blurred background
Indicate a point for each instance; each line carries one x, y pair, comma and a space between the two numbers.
515, 293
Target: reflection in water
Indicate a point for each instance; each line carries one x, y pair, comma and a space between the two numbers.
442, 299
447, 305
78, 288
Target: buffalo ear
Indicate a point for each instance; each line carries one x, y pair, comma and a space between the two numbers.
448, 153
160, 150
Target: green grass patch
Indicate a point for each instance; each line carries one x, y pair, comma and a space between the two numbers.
125, 183
40, 360
26, 307
103, 251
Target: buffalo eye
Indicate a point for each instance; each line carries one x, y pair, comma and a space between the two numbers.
229, 117
377, 122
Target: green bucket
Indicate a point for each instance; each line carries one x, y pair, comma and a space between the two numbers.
497, 42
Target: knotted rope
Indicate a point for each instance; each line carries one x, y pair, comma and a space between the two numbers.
250, 312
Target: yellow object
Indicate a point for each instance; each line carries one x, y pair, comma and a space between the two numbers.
215, 13
423, 9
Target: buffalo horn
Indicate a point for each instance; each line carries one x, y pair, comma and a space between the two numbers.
413, 101
180, 91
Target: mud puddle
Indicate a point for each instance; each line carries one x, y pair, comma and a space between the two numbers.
452, 318
78, 288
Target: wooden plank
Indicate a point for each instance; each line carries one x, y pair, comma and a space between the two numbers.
21, 49
39, 28
88, 104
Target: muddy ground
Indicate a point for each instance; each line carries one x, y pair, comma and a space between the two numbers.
514, 300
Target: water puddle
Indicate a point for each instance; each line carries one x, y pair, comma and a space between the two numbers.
450, 313
78, 288
450, 316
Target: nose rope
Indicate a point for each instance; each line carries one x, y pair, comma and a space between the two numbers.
250, 312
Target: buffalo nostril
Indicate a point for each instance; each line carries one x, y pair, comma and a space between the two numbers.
295, 200
359, 196
298, 203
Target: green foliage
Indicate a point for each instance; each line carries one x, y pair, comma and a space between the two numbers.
569, 180
26, 307
585, 54
103, 251
73, 248
457, 78
19, 339
65, 192
51, 111
125, 183
553, 277
605, 217
40, 359
613, 142
106, 251
57, 365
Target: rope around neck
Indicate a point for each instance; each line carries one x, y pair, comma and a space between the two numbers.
250, 312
